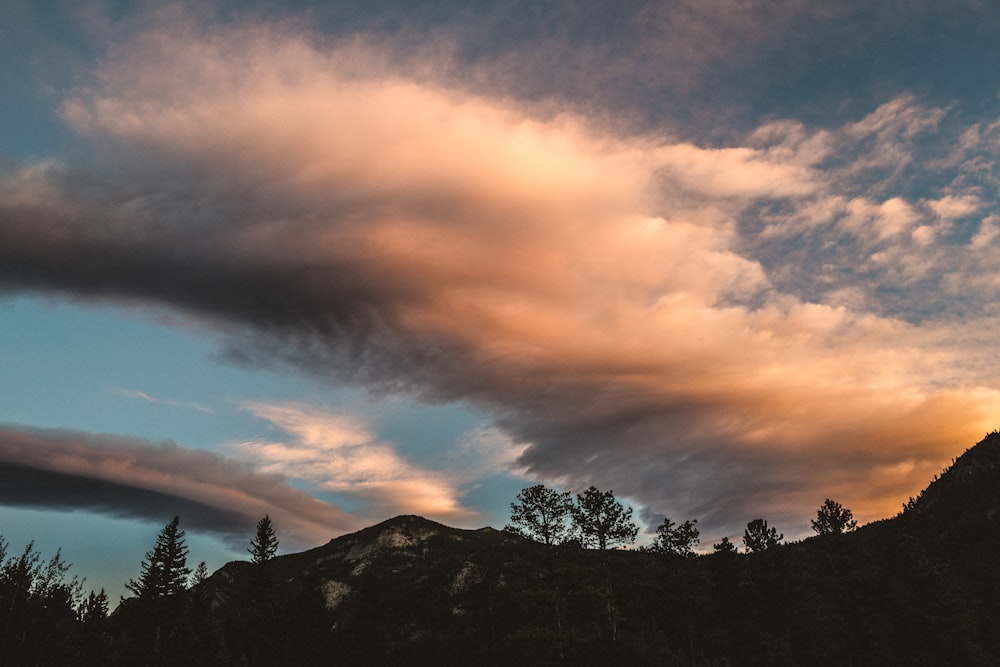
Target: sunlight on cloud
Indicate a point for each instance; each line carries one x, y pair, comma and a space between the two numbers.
685, 324
338, 453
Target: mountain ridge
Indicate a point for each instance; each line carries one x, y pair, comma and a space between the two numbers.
918, 588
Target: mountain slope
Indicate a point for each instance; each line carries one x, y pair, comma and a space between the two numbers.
919, 589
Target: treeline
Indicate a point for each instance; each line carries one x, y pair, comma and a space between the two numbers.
596, 519
45, 619
410, 592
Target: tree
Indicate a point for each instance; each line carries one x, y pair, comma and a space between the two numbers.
542, 514
603, 521
678, 540
94, 638
833, 518
164, 571
264, 545
758, 536
725, 546
38, 608
94, 609
200, 574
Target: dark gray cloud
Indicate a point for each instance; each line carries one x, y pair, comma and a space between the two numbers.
129, 477
36, 488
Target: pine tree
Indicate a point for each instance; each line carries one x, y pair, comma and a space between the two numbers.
541, 514
833, 518
676, 539
725, 546
95, 608
200, 574
758, 536
164, 571
602, 520
92, 614
264, 545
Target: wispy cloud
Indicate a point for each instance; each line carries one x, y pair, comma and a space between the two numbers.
163, 401
708, 330
338, 453
130, 477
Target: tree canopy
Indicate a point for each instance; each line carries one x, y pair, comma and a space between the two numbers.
833, 518
603, 522
679, 540
758, 536
725, 546
542, 514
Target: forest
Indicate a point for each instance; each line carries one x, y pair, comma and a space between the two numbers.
557, 585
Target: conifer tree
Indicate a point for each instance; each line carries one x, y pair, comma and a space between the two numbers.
603, 521
264, 545
95, 608
37, 604
833, 518
541, 514
200, 574
725, 546
758, 536
676, 539
164, 571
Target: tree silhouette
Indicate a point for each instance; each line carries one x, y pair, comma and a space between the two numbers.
602, 521
676, 539
542, 514
758, 536
95, 608
37, 605
164, 571
93, 617
833, 518
199, 575
264, 545
725, 546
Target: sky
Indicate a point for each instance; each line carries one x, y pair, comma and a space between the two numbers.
338, 261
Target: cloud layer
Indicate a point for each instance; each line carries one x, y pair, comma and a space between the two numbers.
69, 470
710, 331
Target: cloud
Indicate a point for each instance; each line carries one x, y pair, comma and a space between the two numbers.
164, 401
338, 453
637, 312
129, 477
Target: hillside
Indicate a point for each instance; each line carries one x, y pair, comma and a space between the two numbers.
918, 589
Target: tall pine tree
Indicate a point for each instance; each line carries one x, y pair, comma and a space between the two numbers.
164, 572
264, 545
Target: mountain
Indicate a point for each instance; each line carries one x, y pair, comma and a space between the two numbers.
922, 588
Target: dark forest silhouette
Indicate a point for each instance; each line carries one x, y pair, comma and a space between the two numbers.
552, 588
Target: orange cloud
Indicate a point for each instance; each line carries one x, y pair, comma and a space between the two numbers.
337, 453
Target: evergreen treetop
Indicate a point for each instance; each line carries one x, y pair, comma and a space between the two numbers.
164, 571
264, 545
